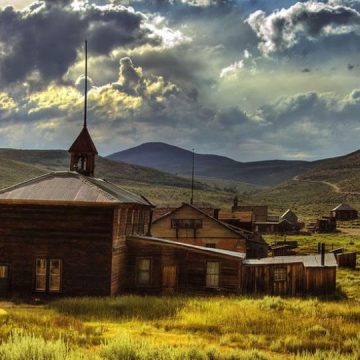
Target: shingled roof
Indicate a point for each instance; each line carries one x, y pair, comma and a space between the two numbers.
69, 187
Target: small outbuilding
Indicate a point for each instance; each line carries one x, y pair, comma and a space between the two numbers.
344, 212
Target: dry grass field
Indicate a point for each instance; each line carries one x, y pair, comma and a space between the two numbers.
133, 327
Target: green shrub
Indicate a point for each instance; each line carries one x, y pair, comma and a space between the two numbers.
20, 346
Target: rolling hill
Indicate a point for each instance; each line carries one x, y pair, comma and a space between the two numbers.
19, 165
342, 171
176, 160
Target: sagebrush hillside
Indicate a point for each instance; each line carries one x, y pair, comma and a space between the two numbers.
18, 165
343, 171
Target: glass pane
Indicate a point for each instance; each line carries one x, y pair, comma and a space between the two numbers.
212, 274
144, 277
144, 264
41, 282
55, 273
41, 266
54, 283
212, 281
213, 267
3, 272
55, 267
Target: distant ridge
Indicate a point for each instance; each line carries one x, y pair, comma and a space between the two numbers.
176, 160
18, 165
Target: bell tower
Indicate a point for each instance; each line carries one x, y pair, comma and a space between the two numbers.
83, 150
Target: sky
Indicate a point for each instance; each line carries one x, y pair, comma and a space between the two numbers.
248, 79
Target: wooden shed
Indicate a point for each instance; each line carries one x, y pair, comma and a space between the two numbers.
290, 275
344, 212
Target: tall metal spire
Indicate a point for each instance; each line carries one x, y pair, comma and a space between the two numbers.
86, 87
192, 177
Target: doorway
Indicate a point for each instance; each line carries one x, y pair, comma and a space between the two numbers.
169, 279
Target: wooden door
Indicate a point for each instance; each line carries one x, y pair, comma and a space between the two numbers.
4, 280
169, 278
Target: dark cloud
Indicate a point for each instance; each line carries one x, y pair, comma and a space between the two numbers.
282, 29
306, 70
45, 38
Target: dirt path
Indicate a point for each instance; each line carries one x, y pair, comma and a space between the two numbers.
334, 187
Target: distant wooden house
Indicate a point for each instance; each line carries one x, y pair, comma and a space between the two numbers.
281, 226
324, 225
344, 212
290, 216
190, 225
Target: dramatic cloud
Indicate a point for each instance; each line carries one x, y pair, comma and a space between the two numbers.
283, 28
43, 40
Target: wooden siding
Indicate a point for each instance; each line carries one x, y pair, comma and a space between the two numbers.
347, 260
190, 269
211, 232
80, 236
299, 280
119, 249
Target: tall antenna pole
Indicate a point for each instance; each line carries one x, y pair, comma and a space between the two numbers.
192, 177
86, 87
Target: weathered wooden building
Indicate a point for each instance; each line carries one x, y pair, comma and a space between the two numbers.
190, 225
64, 232
344, 212
167, 266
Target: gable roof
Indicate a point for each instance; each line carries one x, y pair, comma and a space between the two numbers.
83, 143
313, 260
202, 249
287, 212
238, 232
69, 187
343, 207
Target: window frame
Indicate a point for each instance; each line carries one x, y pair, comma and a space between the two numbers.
276, 275
213, 274
176, 223
129, 223
210, 245
6, 272
58, 275
137, 271
48, 275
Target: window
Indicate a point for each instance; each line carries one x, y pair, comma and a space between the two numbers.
55, 275
40, 275
141, 224
186, 223
143, 268
211, 246
280, 274
129, 221
4, 271
48, 275
212, 274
